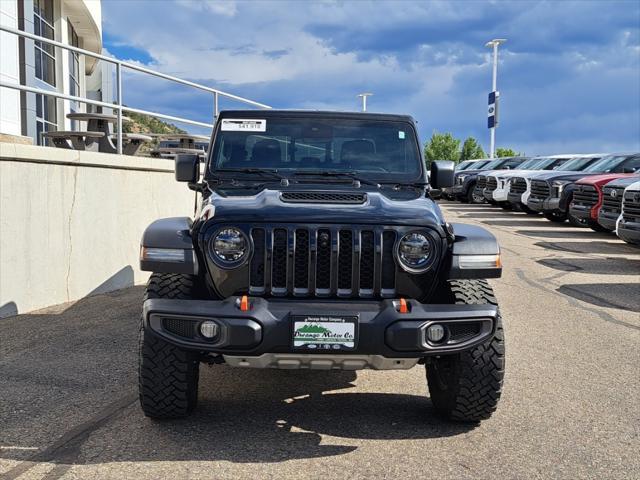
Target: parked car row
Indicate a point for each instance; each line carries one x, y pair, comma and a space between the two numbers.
600, 191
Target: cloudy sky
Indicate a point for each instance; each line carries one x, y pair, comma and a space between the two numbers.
569, 75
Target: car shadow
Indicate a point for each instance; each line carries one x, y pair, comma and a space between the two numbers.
598, 266
625, 296
613, 247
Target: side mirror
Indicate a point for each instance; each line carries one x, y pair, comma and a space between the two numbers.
187, 168
629, 170
442, 174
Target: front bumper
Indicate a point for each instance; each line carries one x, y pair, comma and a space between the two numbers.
514, 198
629, 231
267, 327
608, 221
581, 212
501, 195
548, 204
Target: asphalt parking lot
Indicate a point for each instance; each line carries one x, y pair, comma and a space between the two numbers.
570, 299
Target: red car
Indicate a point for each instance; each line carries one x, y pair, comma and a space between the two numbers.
587, 198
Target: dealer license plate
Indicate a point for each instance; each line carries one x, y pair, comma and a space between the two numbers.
325, 332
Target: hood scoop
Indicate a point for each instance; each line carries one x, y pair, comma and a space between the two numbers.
323, 197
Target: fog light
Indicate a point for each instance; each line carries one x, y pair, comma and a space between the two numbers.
435, 333
209, 329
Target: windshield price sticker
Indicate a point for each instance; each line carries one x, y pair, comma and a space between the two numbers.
243, 125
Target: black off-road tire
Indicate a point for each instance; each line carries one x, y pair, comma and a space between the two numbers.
466, 387
167, 375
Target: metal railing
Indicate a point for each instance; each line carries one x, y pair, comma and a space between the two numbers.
118, 106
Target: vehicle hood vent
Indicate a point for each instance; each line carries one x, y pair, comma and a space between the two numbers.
323, 197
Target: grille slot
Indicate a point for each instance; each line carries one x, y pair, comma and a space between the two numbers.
301, 262
179, 327
518, 185
323, 262
279, 262
540, 189
367, 263
256, 280
345, 262
491, 183
612, 204
323, 197
388, 281
586, 196
482, 181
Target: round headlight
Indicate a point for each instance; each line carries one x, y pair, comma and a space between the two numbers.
229, 246
414, 252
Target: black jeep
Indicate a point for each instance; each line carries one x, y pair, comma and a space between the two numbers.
316, 245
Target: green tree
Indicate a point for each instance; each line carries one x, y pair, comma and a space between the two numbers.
442, 146
506, 152
471, 150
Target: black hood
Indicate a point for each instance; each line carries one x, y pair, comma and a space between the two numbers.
324, 204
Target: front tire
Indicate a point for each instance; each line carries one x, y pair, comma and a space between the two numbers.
167, 375
466, 387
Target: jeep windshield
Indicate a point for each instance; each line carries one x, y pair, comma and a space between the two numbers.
322, 148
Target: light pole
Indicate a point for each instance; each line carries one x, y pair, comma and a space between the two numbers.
493, 96
364, 100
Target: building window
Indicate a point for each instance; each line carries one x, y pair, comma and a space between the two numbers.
45, 117
74, 71
45, 53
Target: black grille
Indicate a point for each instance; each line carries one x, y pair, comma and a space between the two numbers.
463, 331
612, 200
540, 189
367, 259
586, 196
631, 207
323, 197
182, 328
301, 260
323, 261
482, 181
345, 260
518, 185
279, 261
388, 263
258, 260
491, 183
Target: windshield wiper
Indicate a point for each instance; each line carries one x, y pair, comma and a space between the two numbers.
272, 173
336, 173
406, 184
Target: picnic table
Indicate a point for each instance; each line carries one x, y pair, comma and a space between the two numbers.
79, 140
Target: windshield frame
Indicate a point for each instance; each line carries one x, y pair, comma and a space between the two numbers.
211, 173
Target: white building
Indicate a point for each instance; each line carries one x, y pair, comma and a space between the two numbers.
24, 115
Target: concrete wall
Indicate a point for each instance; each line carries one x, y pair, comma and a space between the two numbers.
71, 222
